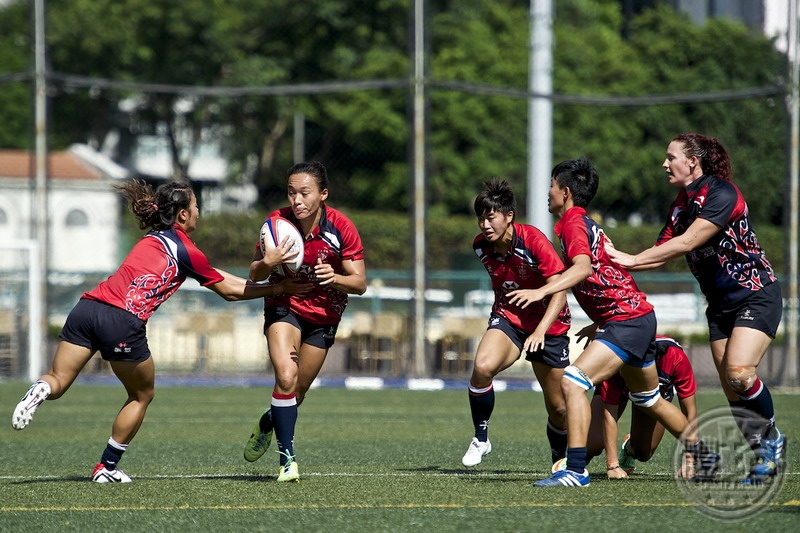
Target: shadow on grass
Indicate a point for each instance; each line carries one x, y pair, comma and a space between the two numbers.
51, 479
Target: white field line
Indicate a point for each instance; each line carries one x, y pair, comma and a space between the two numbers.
532, 474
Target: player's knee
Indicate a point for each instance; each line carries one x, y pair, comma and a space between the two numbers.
143, 396
558, 414
643, 456
741, 378
645, 399
483, 371
575, 376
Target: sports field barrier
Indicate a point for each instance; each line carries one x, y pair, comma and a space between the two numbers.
197, 333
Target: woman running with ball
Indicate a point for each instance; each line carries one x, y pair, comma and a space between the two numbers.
300, 329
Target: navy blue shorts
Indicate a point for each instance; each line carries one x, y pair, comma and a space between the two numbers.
633, 340
319, 336
555, 353
117, 334
761, 310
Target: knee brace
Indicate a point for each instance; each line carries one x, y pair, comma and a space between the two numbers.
741, 378
576, 376
645, 399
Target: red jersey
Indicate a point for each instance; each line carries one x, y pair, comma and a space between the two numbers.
334, 240
609, 293
527, 265
731, 265
675, 375
153, 270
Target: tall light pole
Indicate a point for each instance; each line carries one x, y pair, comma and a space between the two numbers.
540, 114
39, 211
418, 351
790, 377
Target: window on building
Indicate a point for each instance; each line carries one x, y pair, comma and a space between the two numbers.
76, 218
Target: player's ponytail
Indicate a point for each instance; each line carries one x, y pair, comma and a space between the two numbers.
156, 210
713, 157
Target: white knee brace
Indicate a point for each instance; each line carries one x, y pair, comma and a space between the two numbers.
576, 376
646, 398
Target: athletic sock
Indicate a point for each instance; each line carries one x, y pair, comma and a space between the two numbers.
576, 459
112, 454
481, 405
265, 422
284, 418
557, 436
758, 400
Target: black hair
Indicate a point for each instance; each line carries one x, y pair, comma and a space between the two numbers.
496, 196
580, 176
314, 169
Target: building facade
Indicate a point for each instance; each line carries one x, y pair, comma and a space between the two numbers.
83, 214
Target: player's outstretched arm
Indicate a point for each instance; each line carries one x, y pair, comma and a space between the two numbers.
535, 340
610, 436
689, 408
233, 288
580, 269
698, 233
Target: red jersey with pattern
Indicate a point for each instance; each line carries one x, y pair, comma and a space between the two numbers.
333, 241
675, 375
731, 265
609, 293
527, 265
153, 270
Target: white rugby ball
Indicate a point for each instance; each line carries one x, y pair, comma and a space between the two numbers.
274, 230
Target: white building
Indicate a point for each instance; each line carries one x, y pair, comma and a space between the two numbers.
83, 213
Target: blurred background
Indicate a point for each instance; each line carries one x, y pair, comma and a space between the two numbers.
411, 105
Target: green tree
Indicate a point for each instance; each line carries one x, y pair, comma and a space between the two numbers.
722, 55
667, 54
474, 137
363, 135
151, 41
363, 132
15, 102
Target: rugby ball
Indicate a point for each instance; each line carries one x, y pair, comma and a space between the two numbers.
273, 231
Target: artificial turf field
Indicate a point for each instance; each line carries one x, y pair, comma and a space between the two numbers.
370, 460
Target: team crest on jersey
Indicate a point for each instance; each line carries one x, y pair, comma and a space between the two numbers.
523, 272
509, 286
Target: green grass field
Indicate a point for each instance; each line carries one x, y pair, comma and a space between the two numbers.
369, 461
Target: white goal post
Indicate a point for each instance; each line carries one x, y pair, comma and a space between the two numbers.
20, 289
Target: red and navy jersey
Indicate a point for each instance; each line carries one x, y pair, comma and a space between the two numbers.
333, 241
731, 265
609, 293
675, 375
153, 270
530, 260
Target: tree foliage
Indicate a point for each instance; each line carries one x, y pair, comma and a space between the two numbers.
15, 97
364, 136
